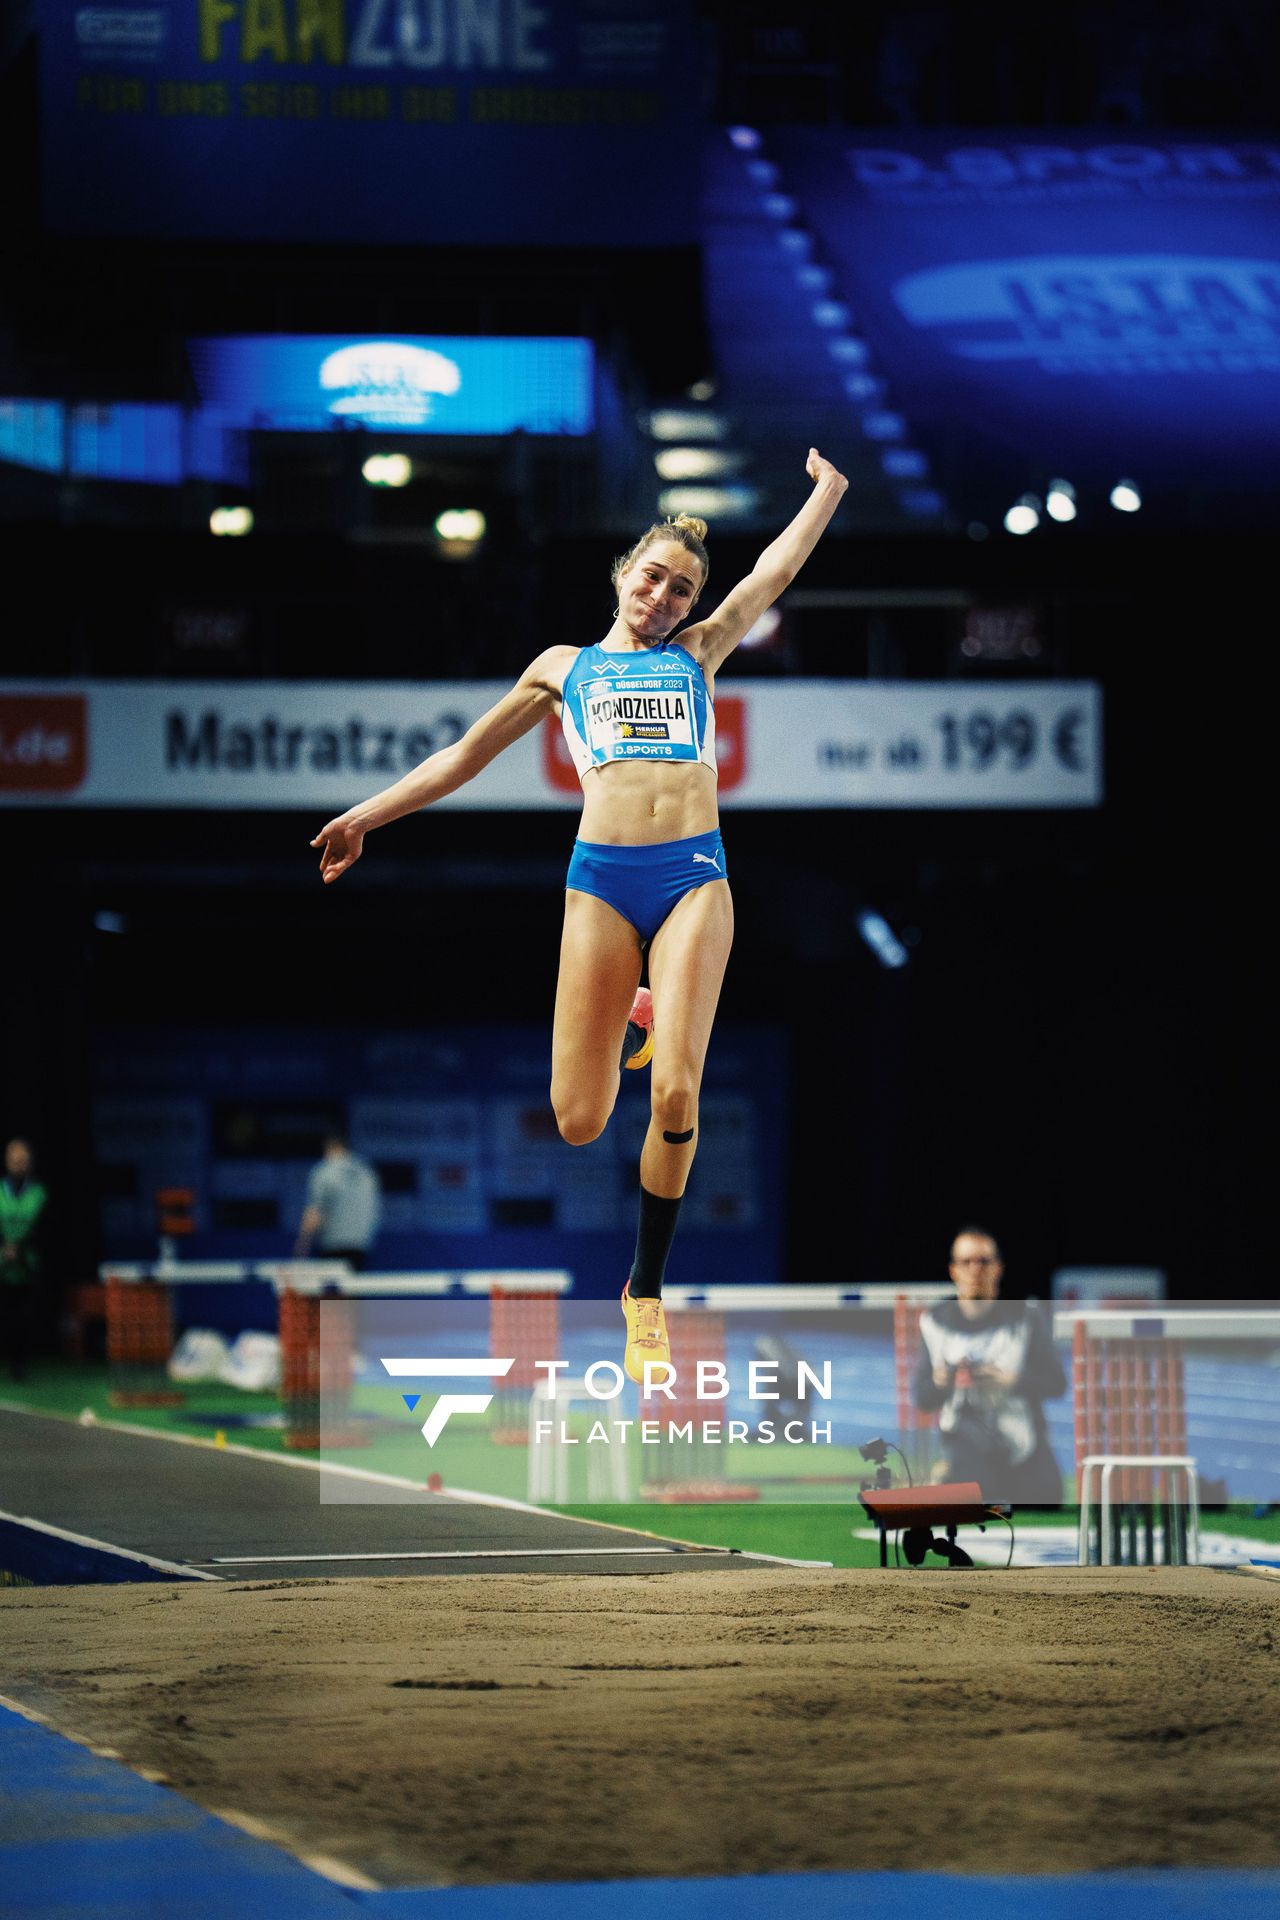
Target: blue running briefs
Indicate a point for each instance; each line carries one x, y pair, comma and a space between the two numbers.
643, 884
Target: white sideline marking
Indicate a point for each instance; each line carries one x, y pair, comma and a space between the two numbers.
106, 1546
472, 1553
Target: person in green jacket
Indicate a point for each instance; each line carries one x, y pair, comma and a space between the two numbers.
22, 1201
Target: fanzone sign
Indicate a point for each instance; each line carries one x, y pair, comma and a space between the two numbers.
382, 122
319, 747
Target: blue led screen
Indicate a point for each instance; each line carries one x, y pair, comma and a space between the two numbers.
410, 384
1092, 306
160, 444
391, 122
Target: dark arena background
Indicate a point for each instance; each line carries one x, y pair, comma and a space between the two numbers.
345, 345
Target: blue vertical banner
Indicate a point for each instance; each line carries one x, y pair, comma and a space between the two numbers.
445, 122
1091, 304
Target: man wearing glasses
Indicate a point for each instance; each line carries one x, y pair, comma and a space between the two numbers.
986, 1367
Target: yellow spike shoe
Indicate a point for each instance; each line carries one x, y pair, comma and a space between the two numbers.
648, 1341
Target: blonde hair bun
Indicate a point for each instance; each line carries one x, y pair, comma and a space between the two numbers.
697, 527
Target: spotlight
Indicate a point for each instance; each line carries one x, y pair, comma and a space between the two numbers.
680, 423
883, 424
864, 387
461, 526
711, 503
904, 463
1023, 516
1125, 497
231, 521
745, 139
881, 939
1060, 501
388, 469
695, 463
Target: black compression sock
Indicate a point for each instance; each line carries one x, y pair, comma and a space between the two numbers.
653, 1243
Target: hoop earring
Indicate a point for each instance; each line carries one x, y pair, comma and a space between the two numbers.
615, 613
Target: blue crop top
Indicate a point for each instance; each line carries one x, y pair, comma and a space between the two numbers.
651, 705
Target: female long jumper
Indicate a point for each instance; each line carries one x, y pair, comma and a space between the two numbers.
648, 868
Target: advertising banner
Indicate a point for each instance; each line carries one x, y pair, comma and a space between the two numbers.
440, 122
322, 746
1099, 304
412, 383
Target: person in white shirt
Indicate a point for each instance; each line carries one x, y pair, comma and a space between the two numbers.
343, 1206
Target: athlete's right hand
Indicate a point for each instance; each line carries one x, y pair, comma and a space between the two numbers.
341, 844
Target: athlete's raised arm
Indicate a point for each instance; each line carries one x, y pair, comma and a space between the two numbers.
533, 696
712, 640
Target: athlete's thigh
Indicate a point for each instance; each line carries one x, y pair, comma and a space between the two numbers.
599, 974
687, 959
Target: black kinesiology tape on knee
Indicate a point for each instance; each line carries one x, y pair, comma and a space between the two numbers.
678, 1139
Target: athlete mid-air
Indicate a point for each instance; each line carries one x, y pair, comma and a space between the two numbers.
648, 871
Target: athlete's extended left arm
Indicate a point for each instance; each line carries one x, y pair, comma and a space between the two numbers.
718, 635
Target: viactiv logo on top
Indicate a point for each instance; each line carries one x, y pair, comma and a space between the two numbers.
1104, 313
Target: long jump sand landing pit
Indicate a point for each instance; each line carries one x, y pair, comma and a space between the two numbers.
501, 1729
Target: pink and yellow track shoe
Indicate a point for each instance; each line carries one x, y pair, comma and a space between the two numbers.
641, 1015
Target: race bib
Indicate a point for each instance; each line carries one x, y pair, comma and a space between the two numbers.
648, 719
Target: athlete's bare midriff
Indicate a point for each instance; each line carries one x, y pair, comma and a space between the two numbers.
625, 805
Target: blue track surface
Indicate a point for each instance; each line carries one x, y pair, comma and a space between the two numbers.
83, 1835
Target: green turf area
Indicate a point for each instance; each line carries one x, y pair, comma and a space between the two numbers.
807, 1532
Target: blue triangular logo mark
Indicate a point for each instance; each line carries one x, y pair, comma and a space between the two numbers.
411, 1400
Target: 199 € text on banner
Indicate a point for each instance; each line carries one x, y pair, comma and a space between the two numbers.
817, 743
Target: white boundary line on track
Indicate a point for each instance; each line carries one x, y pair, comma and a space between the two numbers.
466, 1553
679, 1551
463, 1495
106, 1546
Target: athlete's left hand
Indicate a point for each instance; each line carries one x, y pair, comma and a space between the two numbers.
819, 469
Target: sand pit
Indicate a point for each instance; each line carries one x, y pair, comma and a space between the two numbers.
463, 1730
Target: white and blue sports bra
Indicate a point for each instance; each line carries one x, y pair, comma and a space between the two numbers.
652, 705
